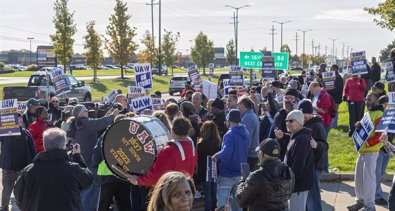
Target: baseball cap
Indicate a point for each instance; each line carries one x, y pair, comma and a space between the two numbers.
269, 147
32, 102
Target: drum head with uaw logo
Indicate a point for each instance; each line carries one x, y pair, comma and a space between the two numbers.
131, 145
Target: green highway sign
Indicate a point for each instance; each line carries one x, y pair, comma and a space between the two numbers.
253, 60
281, 61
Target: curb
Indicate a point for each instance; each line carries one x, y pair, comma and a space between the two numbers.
332, 177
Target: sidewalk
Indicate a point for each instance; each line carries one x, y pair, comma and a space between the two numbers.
336, 196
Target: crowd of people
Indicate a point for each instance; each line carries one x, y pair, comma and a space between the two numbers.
278, 129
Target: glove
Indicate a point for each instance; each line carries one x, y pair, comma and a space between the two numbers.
344, 98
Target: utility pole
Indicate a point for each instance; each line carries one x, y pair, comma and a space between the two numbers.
344, 43
333, 45
30, 40
272, 33
234, 30
281, 23
312, 47
304, 44
296, 40
319, 49
326, 50
237, 26
152, 28
160, 37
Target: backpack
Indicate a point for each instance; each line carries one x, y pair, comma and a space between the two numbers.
332, 109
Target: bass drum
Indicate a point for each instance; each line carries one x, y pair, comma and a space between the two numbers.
131, 145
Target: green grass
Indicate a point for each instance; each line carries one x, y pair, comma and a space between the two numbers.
342, 152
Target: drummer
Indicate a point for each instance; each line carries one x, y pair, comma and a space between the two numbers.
179, 154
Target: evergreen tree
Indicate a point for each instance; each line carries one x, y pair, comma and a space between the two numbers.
65, 29
94, 55
120, 44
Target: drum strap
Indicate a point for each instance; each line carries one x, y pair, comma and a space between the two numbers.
179, 146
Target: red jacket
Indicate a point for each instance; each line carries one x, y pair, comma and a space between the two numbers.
184, 91
324, 102
37, 129
169, 159
355, 89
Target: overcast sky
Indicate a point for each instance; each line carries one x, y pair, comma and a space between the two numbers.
340, 19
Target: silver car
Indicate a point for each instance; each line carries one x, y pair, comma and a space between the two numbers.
177, 84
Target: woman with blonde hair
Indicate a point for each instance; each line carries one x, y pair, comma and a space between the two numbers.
174, 191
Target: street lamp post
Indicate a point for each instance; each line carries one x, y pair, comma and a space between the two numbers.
304, 43
30, 40
281, 23
237, 26
160, 37
152, 26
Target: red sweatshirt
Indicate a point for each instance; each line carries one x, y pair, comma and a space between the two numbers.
354, 89
169, 159
37, 129
324, 102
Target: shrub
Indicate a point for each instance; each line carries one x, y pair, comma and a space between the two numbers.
32, 67
2, 66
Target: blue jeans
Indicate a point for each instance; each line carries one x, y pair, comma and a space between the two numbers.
226, 190
210, 195
90, 195
314, 197
334, 120
382, 163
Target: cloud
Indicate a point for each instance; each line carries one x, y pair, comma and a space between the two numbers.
351, 15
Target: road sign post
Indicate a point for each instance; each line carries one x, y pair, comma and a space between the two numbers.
253, 60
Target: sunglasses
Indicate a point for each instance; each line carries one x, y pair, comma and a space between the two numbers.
290, 121
55, 101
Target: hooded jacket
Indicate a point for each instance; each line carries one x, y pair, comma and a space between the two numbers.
234, 151
52, 182
300, 158
267, 188
354, 89
318, 133
87, 133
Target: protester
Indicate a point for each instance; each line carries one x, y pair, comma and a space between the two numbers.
53, 181
234, 152
269, 187
278, 91
336, 92
209, 109
250, 120
110, 186
197, 104
16, 152
386, 139
379, 88
174, 191
219, 116
163, 118
188, 111
188, 87
320, 146
268, 110
29, 115
365, 177
375, 71
209, 143
87, 130
122, 100
54, 109
231, 103
178, 155
37, 128
353, 93
299, 157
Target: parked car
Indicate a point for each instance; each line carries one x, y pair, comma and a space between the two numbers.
101, 67
40, 85
49, 69
177, 84
155, 71
17, 67
111, 66
297, 68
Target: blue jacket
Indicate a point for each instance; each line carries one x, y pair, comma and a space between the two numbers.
233, 152
251, 121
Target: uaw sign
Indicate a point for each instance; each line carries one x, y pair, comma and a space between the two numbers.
140, 103
143, 75
387, 122
268, 71
361, 134
61, 85
235, 76
135, 91
194, 75
329, 79
130, 146
389, 72
9, 124
359, 63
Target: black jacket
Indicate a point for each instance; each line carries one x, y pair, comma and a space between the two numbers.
207, 148
52, 182
337, 92
267, 188
279, 124
300, 158
318, 133
375, 71
219, 121
16, 151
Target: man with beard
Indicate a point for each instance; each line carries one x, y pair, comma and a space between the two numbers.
319, 145
289, 104
365, 177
